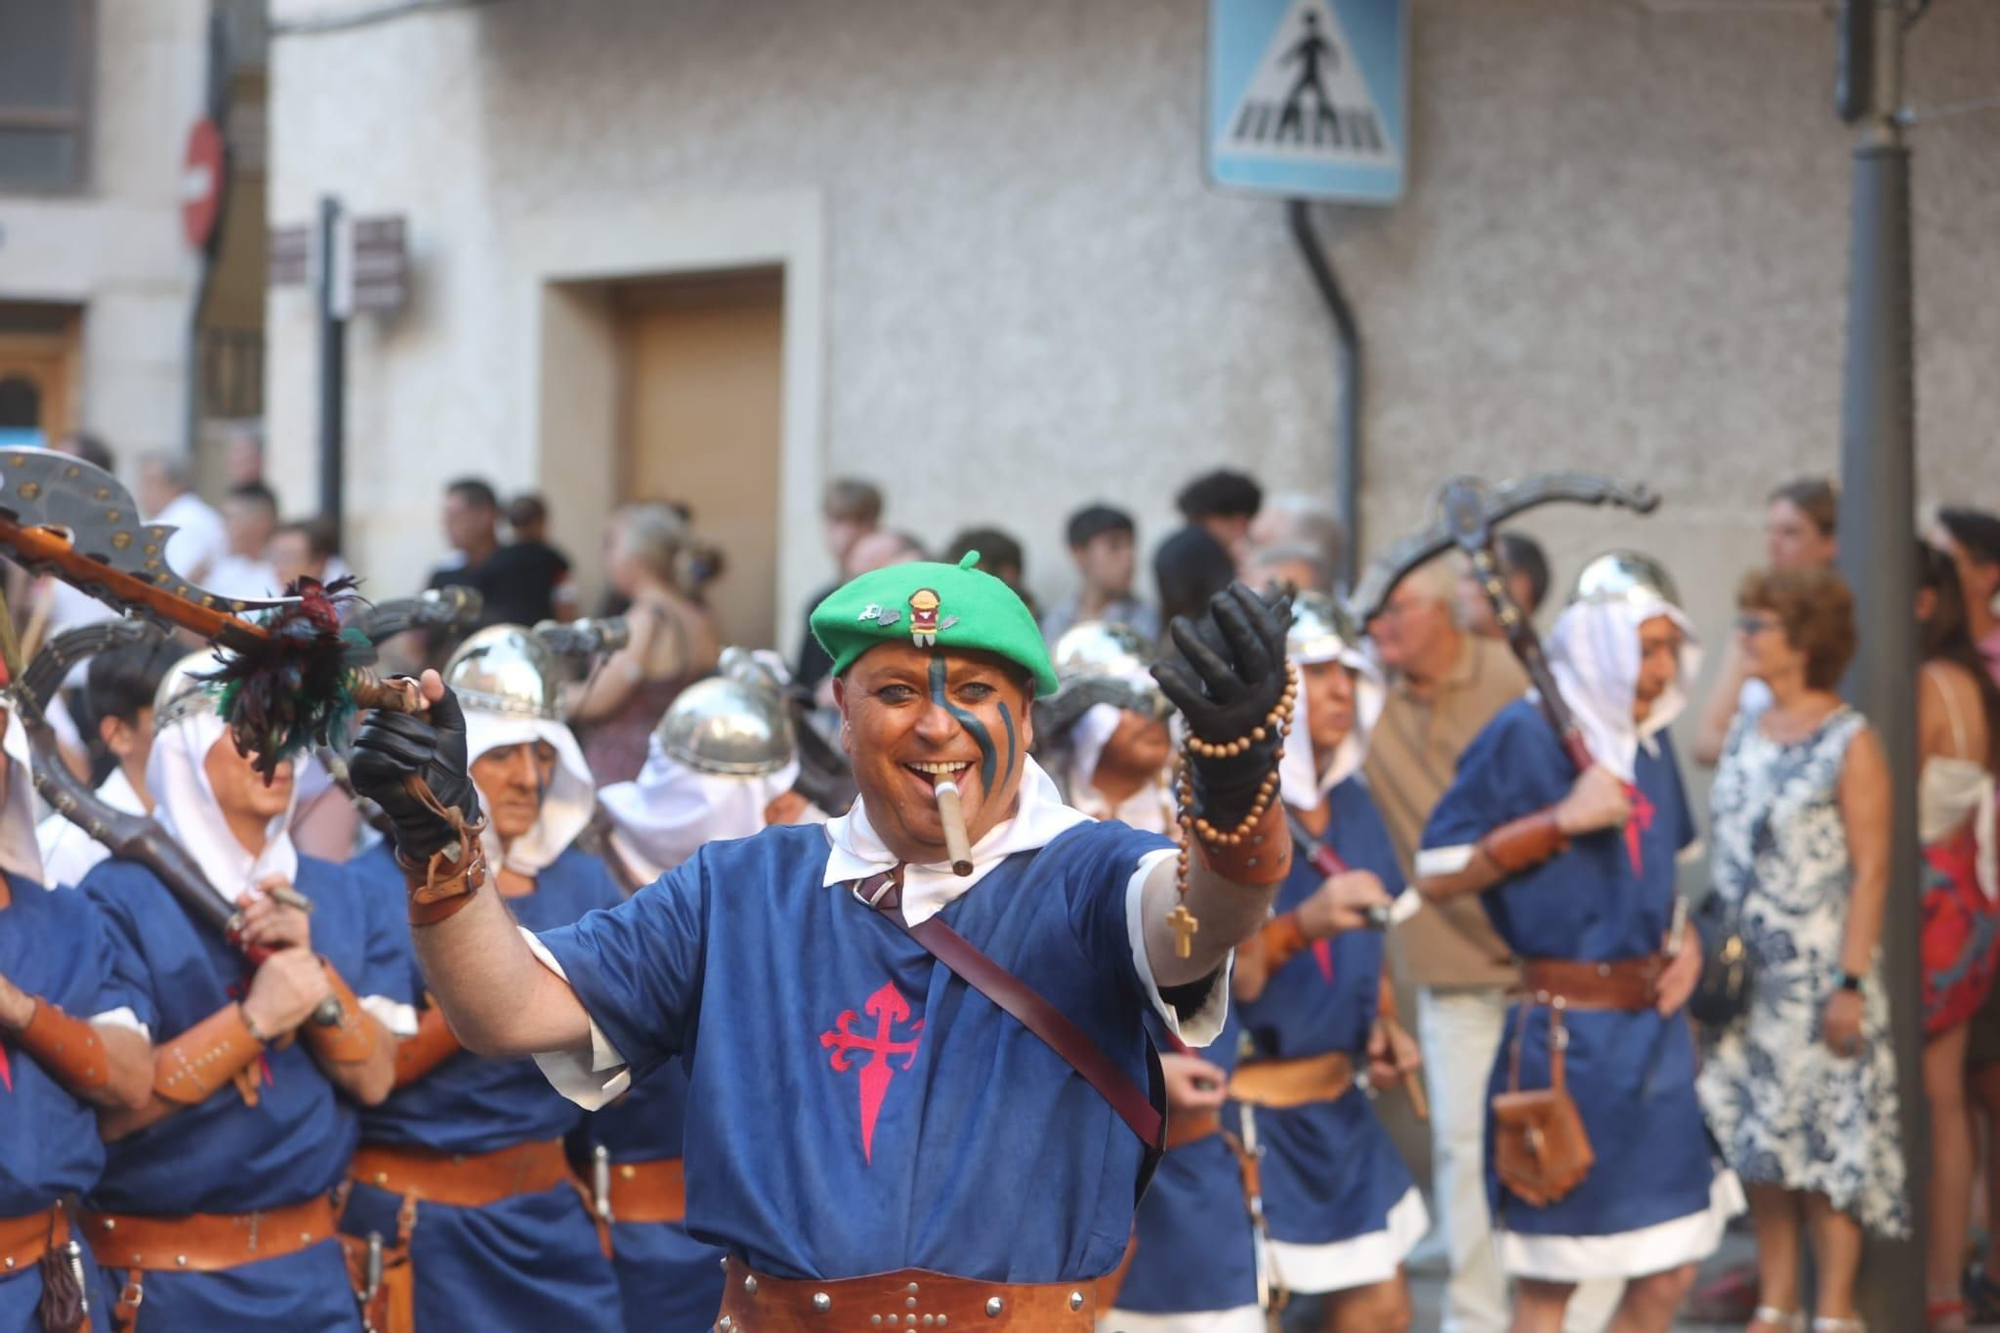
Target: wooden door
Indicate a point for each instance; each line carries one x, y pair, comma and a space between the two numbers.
702, 369
38, 379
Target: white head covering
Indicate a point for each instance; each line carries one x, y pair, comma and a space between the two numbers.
665, 815
1300, 787
566, 805
20, 853
1594, 656
184, 805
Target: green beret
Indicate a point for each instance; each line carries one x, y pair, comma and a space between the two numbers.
946, 606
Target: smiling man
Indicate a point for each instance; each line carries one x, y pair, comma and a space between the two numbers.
871, 1129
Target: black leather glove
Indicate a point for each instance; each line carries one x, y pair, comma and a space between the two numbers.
1229, 678
431, 745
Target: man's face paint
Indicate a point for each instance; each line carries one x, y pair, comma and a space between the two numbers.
911, 716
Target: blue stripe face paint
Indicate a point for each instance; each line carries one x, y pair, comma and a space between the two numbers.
1007, 717
974, 728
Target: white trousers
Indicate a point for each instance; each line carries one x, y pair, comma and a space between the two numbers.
1461, 1031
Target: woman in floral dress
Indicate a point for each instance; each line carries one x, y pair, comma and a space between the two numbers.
1801, 1090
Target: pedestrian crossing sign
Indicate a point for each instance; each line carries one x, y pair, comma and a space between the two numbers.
1307, 98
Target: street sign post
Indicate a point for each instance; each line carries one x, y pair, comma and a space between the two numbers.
1309, 98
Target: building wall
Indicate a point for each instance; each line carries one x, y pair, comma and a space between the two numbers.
1623, 248
116, 246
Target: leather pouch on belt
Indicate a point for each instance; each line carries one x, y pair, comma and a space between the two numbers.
1540, 1150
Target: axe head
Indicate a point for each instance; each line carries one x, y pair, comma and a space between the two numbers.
93, 511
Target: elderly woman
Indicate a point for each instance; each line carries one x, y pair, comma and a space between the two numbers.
647, 551
1801, 1089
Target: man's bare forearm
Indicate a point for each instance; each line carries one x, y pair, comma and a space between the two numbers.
498, 997
1227, 912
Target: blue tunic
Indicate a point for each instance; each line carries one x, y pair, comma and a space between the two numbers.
222, 1155
55, 946
1331, 1171
669, 1282
1631, 1074
858, 1108
531, 1261
1193, 1246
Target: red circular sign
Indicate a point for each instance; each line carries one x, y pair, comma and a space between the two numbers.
201, 183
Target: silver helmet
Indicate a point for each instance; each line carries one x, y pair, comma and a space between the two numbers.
506, 669
1102, 661
1618, 576
180, 694
1321, 629
734, 723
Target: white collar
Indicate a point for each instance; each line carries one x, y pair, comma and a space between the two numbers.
858, 850
20, 853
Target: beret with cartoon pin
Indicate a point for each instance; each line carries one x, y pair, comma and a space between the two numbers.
933, 605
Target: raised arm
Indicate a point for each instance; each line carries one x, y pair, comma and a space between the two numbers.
500, 999
1718, 710
1232, 688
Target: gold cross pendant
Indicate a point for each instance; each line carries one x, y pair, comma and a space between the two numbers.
1184, 924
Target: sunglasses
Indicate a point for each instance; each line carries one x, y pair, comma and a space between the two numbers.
1752, 622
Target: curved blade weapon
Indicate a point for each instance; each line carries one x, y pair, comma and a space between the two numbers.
1467, 512
288, 679
130, 837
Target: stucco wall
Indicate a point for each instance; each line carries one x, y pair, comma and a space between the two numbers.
1623, 248
116, 246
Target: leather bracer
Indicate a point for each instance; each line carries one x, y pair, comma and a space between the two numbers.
432, 1046
447, 882
351, 1039
1257, 858
1528, 841
205, 1057
68, 1048
1283, 939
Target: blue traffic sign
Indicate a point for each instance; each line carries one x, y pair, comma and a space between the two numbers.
1308, 98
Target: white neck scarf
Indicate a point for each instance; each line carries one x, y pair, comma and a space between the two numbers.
184, 805
858, 850
20, 852
664, 816
1594, 656
566, 805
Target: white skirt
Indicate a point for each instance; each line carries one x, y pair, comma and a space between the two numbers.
1359, 1261
1626, 1254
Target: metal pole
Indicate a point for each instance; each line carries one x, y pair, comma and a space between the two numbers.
332, 365
1877, 551
1347, 431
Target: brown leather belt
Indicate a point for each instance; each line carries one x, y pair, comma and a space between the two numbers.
1282, 1084
461, 1180
1629, 983
1185, 1127
913, 1297
24, 1240
648, 1191
208, 1242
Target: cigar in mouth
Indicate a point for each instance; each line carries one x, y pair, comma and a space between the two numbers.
952, 814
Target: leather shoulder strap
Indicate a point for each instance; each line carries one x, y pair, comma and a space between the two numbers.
1034, 1013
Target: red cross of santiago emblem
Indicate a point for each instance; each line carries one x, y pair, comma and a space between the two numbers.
888, 1008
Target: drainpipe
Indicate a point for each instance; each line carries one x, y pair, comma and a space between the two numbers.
1347, 376
216, 107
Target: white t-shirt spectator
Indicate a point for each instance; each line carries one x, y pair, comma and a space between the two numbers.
240, 576
200, 544
68, 852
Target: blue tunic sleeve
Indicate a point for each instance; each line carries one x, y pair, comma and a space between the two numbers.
385, 969
637, 966
1514, 767
131, 980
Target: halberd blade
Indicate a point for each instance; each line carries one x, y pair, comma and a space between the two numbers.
43, 489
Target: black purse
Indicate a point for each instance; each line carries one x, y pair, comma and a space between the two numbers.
1728, 973
1729, 962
